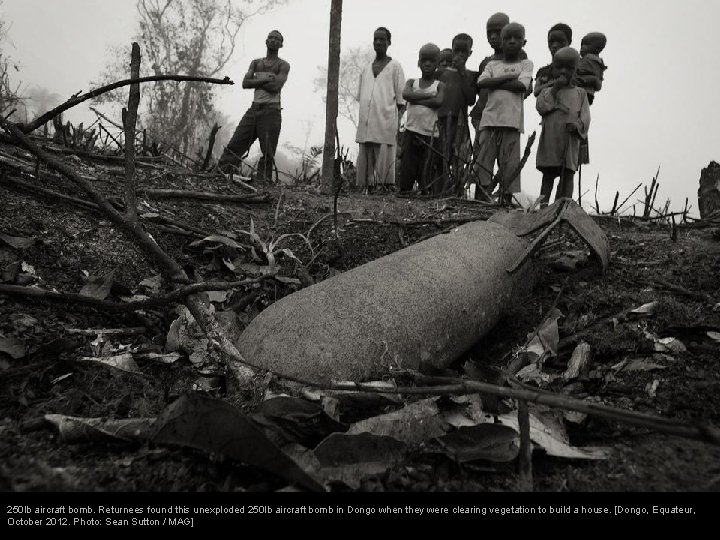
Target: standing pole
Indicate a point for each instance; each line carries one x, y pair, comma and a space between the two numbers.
580, 185
331, 102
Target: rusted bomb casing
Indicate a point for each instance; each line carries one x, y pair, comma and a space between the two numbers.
420, 307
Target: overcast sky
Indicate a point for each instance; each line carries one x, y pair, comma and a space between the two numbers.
658, 106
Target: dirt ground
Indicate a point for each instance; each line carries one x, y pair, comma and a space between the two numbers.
70, 245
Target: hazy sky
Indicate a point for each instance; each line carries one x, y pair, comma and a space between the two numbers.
658, 106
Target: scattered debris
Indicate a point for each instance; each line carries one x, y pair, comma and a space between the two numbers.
123, 362
413, 424
215, 427
73, 429
578, 366
13, 347
294, 420
552, 438
646, 309
489, 442
651, 388
152, 284
98, 286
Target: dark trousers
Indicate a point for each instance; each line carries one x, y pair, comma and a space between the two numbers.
419, 163
261, 122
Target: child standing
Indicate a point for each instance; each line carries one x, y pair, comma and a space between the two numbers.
424, 96
502, 121
494, 26
445, 62
565, 115
591, 67
559, 36
452, 116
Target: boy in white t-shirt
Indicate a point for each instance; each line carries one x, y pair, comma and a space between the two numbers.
502, 120
424, 96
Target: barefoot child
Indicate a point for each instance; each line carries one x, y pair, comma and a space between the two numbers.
565, 115
502, 121
424, 96
452, 116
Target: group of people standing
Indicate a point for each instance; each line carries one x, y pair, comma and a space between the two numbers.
436, 151
435, 147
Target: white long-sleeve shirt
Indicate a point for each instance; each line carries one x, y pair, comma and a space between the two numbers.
379, 97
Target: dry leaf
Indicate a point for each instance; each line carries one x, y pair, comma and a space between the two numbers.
123, 362
579, 362
554, 440
152, 284
413, 424
669, 344
218, 239
98, 287
74, 429
491, 442
12, 347
646, 309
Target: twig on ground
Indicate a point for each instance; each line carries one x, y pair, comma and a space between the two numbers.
525, 465
175, 296
204, 196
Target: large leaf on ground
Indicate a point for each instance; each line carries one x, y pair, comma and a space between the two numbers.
341, 449
491, 442
350, 474
215, 427
98, 286
293, 419
219, 239
75, 429
552, 438
413, 424
463, 411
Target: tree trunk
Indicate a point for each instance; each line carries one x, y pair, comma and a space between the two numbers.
331, 106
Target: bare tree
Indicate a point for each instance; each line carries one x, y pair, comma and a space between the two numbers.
189, 37
352, 62
10, 93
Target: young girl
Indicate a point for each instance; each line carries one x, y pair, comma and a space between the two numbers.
565, 121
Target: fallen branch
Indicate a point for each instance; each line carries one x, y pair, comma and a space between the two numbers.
456, 386
205, 196
683, 291
53, 196
175, 296
108, 331
75, 100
